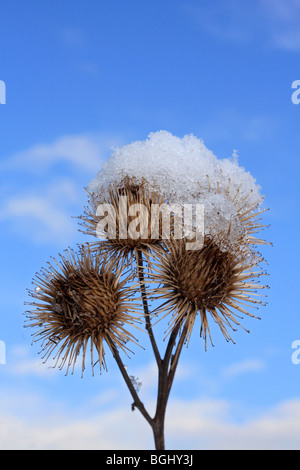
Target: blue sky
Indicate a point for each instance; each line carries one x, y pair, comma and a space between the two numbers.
82, 77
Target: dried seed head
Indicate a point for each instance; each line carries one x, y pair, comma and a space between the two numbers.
122, 216
81, 300
231, 214
209, 281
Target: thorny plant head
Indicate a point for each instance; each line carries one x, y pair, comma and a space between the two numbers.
220, 281
87, 298
82, 302
116, 207
209, 282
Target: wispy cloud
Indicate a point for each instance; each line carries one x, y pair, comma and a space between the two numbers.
196, 424
76, 40
44, 216
210, 425
37, 217
40, 201
85, 152
273, 23
232, 20
232, 124
243, 367
21, 364
284, 10
72, 37
288, 39
107, 422
283, 22
212, 384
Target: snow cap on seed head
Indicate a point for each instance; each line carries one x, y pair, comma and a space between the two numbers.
190, 173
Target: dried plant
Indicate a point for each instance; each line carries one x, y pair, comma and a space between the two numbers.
88, 300
208, 282
117, 202
78, 301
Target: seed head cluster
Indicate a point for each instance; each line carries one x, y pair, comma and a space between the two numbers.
210, 282
81, 301
121, 199
87, 300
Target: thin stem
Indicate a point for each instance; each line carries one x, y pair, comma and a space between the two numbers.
166, 366
171, 343
167, 371
137, 402
149, 329
175, 357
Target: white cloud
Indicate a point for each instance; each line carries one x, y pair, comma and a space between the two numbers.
38, 217
75, 39
223, 20
43, 210
119, 429
214, 383
30, 420
36, 208
22, 365
72, 37
210, 425
272, 22
197, 424
84, 152
288, 40
228, 124
243, 367
283, 22
282, 10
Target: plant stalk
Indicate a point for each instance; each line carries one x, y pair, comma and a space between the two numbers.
166, 367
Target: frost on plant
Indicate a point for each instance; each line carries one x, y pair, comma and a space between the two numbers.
97, 300
136, 383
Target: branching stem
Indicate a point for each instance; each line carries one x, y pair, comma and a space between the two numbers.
166, 366
137, 402
149, 329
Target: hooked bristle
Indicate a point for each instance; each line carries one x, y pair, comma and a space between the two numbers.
81, 299
208, 282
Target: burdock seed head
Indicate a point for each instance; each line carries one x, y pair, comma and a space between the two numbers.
209, 282
122, 219
81, 300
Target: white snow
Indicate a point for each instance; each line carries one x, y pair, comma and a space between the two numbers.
186, 169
